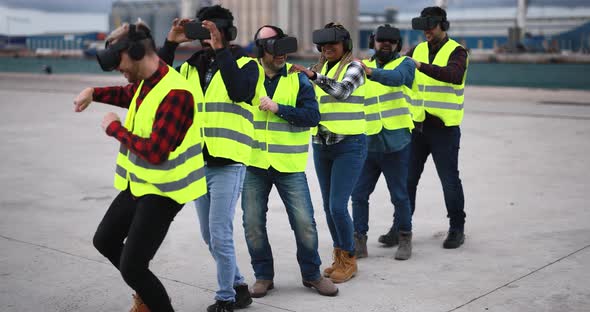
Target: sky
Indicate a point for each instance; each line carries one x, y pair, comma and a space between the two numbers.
40, 16
103, 6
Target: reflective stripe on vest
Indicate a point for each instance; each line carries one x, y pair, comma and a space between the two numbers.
278, 143
227, 126
181, 177
345, 117
441, 99
386, 106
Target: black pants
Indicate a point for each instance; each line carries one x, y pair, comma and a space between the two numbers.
443, 144
144, 221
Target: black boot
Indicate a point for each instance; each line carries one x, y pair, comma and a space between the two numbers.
390, 239
243, 298
221, 306
454, 240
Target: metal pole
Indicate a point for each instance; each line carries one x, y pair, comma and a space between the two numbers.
521, 17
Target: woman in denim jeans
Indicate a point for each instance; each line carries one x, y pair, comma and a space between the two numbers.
339, 142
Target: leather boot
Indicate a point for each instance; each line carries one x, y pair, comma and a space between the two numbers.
347, 268
404, 251
138, 305
335, 256
360, 245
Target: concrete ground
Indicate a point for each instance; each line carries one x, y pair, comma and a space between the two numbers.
523, 161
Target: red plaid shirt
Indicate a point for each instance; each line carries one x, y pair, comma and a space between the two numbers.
173, 117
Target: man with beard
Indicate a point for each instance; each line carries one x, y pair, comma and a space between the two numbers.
279, 158
159, 165
388, 94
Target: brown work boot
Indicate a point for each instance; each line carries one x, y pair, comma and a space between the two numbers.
138, 305
261, 287
404, 251
360, 245
335, 256
346, 269
323, 285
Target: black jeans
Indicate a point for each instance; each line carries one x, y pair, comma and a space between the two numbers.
443, 144
144, 221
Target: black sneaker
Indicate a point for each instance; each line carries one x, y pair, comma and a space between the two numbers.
221, 306
390, 239
243, 298
454, 240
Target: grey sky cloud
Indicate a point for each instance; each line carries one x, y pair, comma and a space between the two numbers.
103, 6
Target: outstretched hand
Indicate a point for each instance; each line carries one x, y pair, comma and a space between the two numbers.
416, 62
83, 100
368, 70
300, 68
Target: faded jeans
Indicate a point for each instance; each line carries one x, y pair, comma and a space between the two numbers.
216, 211
294, 191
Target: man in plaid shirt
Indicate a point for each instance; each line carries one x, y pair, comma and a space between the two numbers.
135, 224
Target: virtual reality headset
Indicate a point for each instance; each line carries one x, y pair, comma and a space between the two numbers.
110, 58
329, 35
387, 33
426, 22
195, 31
279, 46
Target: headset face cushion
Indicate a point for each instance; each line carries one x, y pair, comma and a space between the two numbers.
195, 31
329, 35
426, 22
279, 46
110, 58
391, 34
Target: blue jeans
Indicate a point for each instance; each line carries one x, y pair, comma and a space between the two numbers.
338, 167
294, 192
216, 211
443, 144
395, 169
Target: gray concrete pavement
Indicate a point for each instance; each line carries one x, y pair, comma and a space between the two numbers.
523, 161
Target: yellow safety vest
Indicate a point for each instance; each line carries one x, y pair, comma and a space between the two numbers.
341, 116
441, 99
386, 106
227, 126
278, 143
181, 177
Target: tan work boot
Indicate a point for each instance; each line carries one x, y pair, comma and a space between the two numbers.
335, 256
261, 287
323, 285
404, 251
138, 305
346, 269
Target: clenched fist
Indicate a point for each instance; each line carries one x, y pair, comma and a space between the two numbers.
108, 119
266, 104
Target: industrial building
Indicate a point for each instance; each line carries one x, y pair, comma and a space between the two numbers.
561, 29
296, 17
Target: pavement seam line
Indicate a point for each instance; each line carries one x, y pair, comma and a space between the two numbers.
108, 263
518, 114
518, 279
